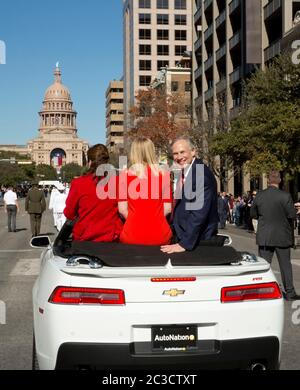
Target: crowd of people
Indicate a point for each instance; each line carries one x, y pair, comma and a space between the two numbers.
236, 211
35, 204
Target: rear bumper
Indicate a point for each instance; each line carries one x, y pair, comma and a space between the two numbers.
212, 354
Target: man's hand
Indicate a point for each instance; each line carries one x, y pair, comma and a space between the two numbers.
176, 248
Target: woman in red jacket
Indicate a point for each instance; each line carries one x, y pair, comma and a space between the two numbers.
97, 219
146, 198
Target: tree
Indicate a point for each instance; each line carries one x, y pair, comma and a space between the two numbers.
70, 171
203, 136
156, 115
45, 172
17, 156
12, 174
267, 132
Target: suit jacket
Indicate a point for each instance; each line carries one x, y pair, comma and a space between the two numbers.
196, 214
35, 201
275, 212
223, 206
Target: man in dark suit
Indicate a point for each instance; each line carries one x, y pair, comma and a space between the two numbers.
223, 209
195, 211
275, 212
35, 205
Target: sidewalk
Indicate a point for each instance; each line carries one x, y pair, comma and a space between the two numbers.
232, 229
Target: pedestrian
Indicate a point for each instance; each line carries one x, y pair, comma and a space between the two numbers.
223, 209
59, 204
195, 213
254, 221
54, 192
35, 205
11, 206
275, 212
231, 203
297, 206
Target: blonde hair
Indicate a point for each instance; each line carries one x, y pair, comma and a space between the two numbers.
142, 154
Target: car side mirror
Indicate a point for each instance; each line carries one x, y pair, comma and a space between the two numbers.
40, 242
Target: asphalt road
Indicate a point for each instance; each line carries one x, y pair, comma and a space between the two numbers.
19, 265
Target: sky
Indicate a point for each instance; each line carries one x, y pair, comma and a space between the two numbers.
85, 36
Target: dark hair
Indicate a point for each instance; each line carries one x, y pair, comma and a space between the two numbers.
274, 177
97, 155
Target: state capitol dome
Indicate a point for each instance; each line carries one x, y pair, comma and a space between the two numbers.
57, 91
58, 143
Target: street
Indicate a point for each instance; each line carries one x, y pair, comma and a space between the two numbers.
19, 265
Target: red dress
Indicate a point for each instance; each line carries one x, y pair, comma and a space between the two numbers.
146, 223
98, 219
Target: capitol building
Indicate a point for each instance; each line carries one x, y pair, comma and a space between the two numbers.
57, 143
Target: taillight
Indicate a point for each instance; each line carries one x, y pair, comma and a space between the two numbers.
87, 296
251, 292
163, 280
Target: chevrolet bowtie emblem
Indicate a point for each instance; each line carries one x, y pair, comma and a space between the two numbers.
174, 292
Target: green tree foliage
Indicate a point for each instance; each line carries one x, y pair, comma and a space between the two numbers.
70, 171
10, 175
45, 172
13, 174
267, 132
17, 156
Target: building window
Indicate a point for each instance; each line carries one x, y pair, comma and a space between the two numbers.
145, 65
144, 3
145, 50
180, 4
188, 86
188, 111
180, 20
162, 4
162, 35
179, 50
162, 19
174, 86
162, 50
145, 18
144, 34
180, 35
162, 64
145, 81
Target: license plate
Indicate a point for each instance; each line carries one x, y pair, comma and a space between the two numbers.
174, 338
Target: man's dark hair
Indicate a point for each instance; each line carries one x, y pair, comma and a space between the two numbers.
274, 177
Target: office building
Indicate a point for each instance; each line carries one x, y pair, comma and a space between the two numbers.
115, 117
156, 34
233, 38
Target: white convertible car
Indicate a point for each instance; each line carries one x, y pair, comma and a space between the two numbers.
106, 306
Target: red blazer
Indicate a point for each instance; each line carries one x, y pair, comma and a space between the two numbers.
98, 219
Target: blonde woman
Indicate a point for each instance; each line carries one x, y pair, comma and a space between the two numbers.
146, 198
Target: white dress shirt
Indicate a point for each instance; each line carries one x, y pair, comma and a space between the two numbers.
10, 198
